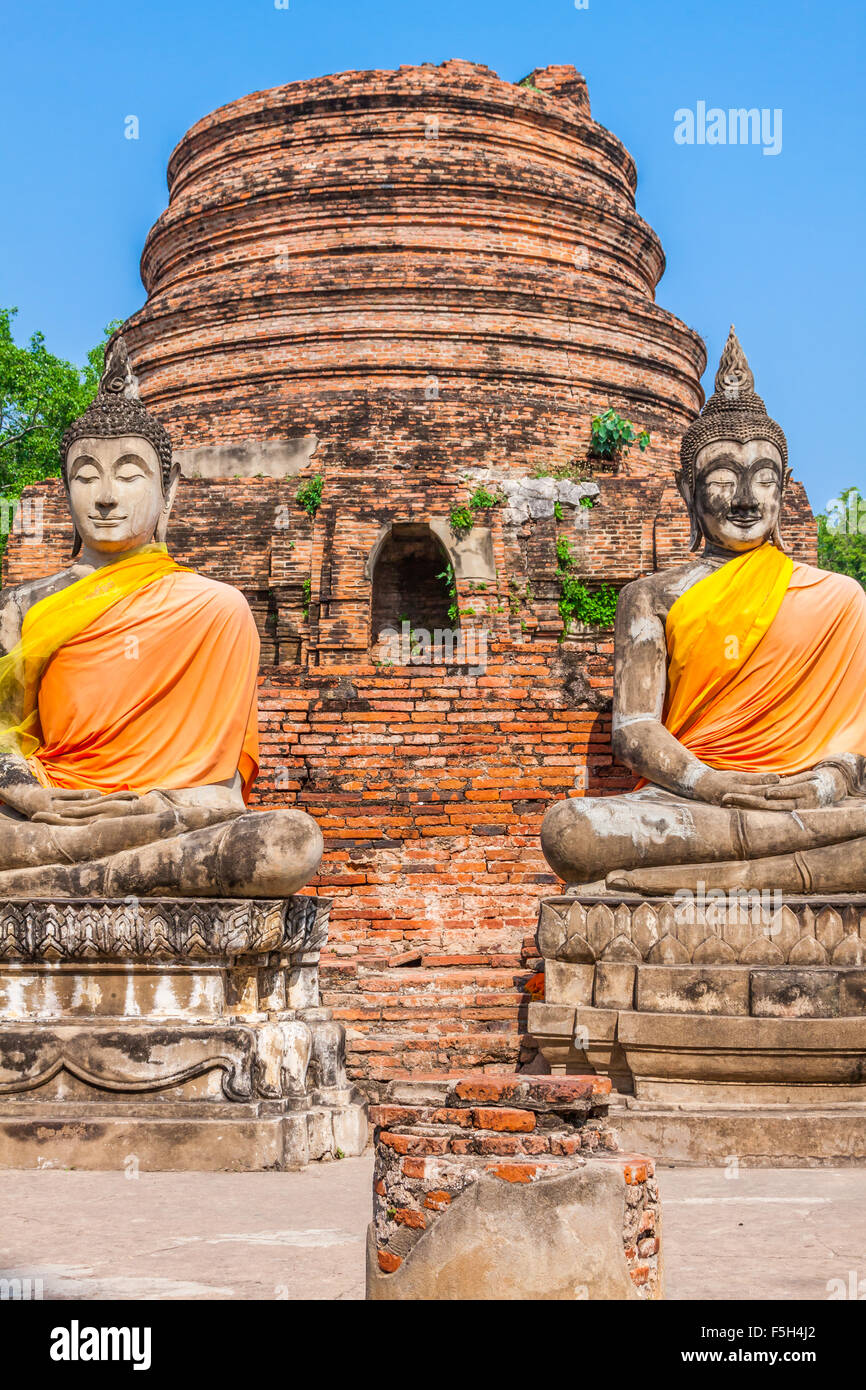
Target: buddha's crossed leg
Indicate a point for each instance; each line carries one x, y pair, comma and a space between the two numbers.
186, 852
652, 841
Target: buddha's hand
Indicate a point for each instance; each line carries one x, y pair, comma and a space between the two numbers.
734, 788
803, 791
48, 803
50, 806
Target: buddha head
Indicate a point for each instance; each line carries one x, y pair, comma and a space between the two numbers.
734, 463
117, 466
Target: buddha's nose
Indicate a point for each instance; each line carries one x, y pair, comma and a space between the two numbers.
744, 497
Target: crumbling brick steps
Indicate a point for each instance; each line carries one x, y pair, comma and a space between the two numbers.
425, 1016
436, 1139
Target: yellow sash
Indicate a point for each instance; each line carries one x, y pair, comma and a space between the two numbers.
716, 624
53, 621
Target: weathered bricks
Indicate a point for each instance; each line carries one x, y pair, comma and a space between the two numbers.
518, 1129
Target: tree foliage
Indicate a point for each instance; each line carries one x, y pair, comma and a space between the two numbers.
842, 535
40, 395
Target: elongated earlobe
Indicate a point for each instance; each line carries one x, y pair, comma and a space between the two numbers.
170, 493
696, 538
776, 537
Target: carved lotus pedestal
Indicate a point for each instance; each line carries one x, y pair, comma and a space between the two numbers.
170, 1033
729, 1028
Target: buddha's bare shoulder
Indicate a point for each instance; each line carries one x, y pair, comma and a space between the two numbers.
655, 594
17, 599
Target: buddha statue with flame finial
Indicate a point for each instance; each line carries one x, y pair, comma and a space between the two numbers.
128, 712
739, 693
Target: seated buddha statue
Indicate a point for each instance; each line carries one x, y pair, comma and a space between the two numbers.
739, 693
128, 709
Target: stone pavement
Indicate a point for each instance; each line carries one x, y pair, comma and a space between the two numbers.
763, 1234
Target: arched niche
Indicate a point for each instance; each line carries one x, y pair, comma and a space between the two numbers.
406, 567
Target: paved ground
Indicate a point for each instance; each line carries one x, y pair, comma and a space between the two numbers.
764, 1234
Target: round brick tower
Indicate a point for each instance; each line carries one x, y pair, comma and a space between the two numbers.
428, 267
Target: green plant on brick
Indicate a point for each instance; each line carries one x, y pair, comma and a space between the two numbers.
577, 603
613, 436
309, 494
482, 500
447, 576
462, 519
462, 514
307, 590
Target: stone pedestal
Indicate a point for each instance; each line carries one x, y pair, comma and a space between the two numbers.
732, 1026
166, 1033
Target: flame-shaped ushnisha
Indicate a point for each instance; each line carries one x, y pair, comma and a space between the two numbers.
734, 411
118, 410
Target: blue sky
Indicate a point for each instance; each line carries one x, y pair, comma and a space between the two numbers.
771, 243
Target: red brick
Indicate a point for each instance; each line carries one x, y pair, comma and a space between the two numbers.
406, 1216
504, 1120
413, 1143
388, 1262
414, 1167
451, 1116
392, 1115
636, 1170
513, 1172
437, 1201
489, 1088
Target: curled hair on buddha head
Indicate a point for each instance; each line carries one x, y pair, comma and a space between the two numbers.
117, 410
734, 411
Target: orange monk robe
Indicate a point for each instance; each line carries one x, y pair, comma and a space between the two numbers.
159, 691
768, 666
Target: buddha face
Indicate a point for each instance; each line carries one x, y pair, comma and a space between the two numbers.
738, 493
115, 493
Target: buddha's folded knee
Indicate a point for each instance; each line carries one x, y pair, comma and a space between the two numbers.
568, 839
269, 853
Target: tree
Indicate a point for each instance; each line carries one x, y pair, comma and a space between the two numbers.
842, 535
40, 395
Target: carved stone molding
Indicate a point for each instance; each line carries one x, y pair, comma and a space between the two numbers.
130, 1061
722, 930
160, 928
